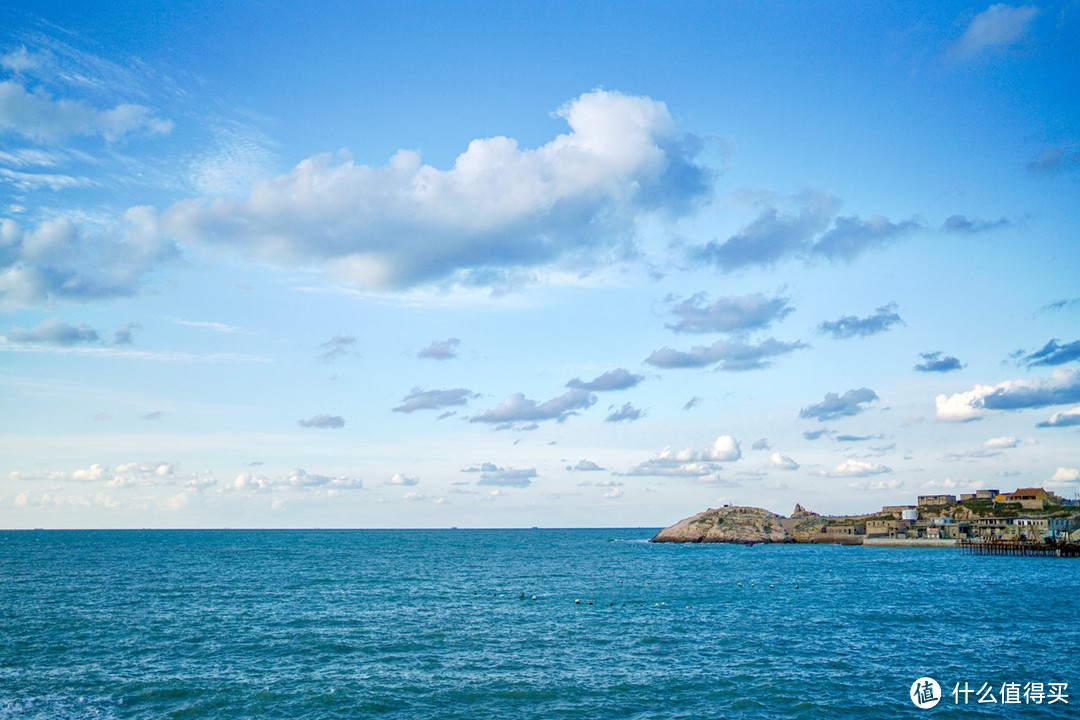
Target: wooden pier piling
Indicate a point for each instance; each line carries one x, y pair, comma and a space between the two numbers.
1008, 547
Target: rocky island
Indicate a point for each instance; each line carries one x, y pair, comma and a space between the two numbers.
748, 525
1028, 515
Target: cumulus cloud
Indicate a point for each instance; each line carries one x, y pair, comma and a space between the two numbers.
782, 462
1054, 353
761, 444
499, 207
731, 355
58, 260
626, 413
584, 466
836, 406
492, 474
617, 379
54, 332
516, 409
731, 313
850, 326
936, 362
703, 465
400, 479
1064, 477
440, 350
299, 480
39, 117
998, 27
420, 399
323, 421
337, 346
1066, 418
1061, 388
856, 468
91, 474
963, 225
1001, 443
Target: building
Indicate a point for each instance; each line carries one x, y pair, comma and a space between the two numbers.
881, 527
935, 500
856, 529
979, 495
1029, 498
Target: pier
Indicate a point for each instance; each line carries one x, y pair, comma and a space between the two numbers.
1002, 547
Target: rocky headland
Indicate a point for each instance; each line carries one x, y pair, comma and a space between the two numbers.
750, 525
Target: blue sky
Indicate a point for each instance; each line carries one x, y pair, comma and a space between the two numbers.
574, 264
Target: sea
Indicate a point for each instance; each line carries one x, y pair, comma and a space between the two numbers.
471, 624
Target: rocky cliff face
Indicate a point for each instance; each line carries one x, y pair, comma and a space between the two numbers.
733, 524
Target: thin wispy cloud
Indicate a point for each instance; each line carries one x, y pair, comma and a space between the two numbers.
337, 346
995, 29
851, 326
963, 225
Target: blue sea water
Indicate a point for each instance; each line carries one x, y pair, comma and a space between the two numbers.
433, 624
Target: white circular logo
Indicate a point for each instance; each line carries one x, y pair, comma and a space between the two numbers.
925, 693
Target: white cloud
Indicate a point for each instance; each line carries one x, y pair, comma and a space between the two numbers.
39, 117
58, 260
782, 462
1065, 475
298, 480
400, 479
1065, 418
499, 207
1062, 387
1001, 443
856, 468
701, 464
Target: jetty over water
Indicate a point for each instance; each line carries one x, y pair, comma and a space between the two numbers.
1001, 547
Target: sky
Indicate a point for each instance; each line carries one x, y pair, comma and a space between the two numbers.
532, 264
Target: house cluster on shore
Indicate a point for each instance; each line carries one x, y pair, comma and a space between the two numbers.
1026, 515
